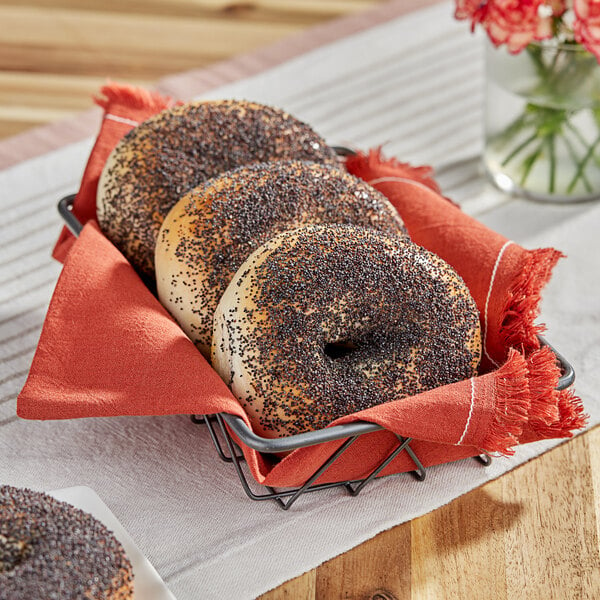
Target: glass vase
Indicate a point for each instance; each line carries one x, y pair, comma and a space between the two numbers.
542, 121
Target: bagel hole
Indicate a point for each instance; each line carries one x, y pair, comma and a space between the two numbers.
335, 350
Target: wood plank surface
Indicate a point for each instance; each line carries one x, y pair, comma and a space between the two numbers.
533, 533
54, 54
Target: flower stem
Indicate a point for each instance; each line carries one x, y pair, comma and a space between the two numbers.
552, 152
529, 162
577, 133
581, 166
518, 149
576, 159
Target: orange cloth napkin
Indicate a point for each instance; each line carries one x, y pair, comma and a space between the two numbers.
109, 348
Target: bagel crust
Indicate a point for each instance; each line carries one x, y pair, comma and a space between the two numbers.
324, 321
50, 549
163, 158
212, 230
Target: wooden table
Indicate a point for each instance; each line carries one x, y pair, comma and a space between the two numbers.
532, 533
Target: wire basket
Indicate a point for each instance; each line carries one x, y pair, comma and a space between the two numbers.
222, 428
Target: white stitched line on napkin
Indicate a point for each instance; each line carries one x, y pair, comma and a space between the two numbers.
121, 120
487, 300
462, 437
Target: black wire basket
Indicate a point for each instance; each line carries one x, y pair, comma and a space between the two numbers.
223, 427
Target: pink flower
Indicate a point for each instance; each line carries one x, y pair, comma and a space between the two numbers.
515, 23
474, 10
587, 24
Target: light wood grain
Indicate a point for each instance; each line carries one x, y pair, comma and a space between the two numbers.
534, 533
570, 567
380, 564
460, 543
55, 54
531, 534
302, 587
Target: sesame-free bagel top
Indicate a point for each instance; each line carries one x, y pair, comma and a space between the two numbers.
160, 160
50, 549
328, 320
212, 230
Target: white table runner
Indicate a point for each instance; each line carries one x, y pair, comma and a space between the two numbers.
413, 84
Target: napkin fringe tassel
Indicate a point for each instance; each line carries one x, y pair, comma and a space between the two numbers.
526, 398
571, 417
543, 376
554, 413
512, 408
518, 328
131, 97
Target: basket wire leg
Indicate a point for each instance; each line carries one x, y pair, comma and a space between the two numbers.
420, 472
292, 494
317, 473
484, 459
404, 442
208, 421
236, 460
